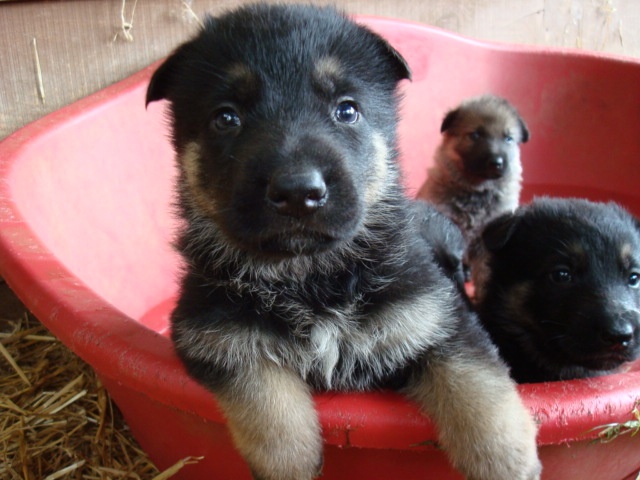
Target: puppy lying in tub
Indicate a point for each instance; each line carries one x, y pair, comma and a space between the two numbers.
558, 288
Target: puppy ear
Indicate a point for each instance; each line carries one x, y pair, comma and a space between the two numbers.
524, 130
498, 232
636, 222
449, 119
400, 65
162, 80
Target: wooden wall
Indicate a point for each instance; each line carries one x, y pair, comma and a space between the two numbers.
83, 46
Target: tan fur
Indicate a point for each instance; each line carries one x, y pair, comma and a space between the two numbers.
266, 408
325, 73
378, 177
401, 331
238, 72
190, 163
244, 80
471, 201
489, 419
577, 249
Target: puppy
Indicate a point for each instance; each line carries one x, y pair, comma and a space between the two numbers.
305, 269
477, 173
558, 288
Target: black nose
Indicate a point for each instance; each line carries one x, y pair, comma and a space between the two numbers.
618, 336
297, 194
496, 163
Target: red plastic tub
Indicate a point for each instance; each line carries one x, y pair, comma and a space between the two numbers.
85, 230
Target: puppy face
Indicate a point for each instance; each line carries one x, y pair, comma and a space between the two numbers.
284, 151
566, 275
482, 136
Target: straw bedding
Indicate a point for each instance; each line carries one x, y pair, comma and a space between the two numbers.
56, 419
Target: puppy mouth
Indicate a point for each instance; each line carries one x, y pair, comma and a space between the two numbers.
486, 170
296, 243
493, 173
606, 360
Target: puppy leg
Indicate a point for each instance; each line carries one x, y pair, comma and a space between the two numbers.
273, 422
482, 422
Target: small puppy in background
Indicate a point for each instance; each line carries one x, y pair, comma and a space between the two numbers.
477, 173
305, 267
557, 287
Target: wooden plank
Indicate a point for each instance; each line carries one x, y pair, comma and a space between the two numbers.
82, 46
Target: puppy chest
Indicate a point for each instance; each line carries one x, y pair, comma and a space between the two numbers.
341, 356
355, 354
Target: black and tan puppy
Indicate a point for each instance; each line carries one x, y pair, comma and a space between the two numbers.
477, 173
305, 267
557, 288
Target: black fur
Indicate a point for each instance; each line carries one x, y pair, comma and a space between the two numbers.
305, 264
446, 241
561, 296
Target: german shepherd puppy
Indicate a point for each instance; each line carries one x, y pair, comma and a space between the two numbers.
558, 288
477, 173
305, 268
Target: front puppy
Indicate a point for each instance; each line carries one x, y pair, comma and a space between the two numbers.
304, 266
558, 288
477, 173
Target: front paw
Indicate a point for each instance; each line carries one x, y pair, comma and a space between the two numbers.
274, 425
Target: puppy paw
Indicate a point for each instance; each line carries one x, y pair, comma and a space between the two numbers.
482, 423
272, 420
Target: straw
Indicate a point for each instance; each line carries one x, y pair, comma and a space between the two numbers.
56, 419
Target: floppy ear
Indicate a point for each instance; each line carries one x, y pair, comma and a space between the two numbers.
399, 64
497, 233
163, 78
449, 119
636, 222
524, 131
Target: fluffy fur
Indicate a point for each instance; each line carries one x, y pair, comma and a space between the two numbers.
306, 268
477, 173
558, 288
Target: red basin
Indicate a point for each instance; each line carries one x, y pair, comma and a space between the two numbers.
85, 226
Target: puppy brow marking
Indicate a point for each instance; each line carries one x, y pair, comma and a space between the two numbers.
626, 253
326, 71
243, 81
577, 249
239, 71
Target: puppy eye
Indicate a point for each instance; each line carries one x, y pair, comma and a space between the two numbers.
347, 112
634, 280
474, 136
226, 119
508, 139
561, 275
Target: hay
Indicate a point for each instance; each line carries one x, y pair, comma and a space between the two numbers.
56, 419
611, 431
36, 58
